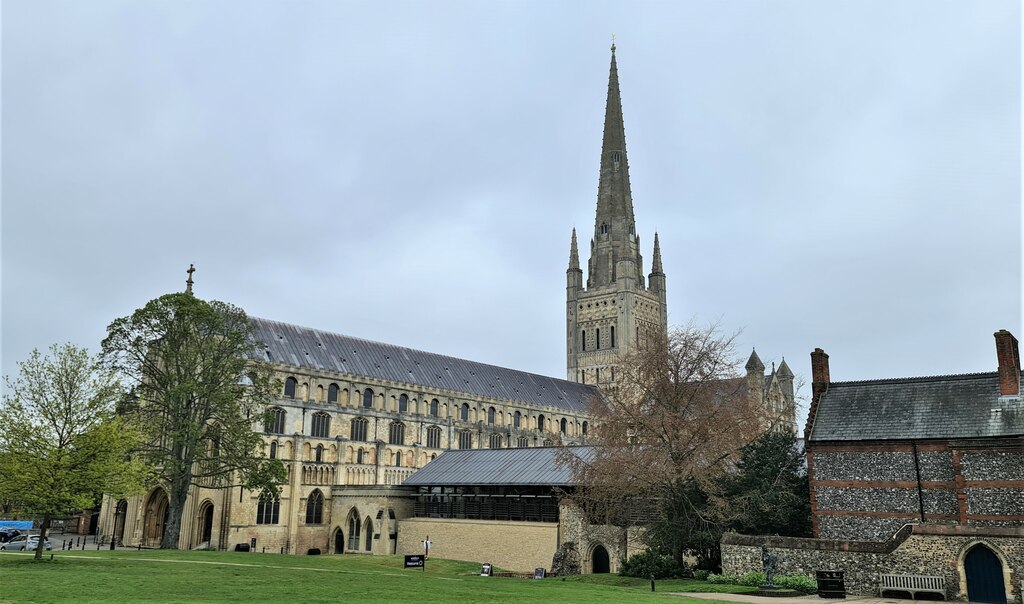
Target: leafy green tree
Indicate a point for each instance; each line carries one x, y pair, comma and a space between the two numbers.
200, 388
61, 444
768, 493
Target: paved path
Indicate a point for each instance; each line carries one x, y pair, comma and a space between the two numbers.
752, 599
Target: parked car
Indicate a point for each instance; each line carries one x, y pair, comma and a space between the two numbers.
25, 542
7, 533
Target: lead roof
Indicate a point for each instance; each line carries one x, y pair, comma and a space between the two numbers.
948, 406
321, 351
506, 467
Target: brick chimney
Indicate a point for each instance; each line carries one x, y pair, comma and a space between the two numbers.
819, 384
1009, 363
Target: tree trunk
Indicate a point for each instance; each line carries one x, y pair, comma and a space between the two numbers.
175, 509
41, 545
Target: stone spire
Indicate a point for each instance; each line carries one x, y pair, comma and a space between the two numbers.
614, 226
754, 362
784, 371
656, 262
574, 253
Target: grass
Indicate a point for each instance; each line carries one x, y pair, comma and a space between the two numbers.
174, 576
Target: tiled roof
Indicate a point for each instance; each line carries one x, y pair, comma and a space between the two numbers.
324, 351
481, 467
949, 406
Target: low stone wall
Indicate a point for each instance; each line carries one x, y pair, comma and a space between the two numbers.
915, 550
510, 545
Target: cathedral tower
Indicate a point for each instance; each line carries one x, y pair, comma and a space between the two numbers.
617, 308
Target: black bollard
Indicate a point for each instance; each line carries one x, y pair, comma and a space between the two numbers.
140, 546
83, 545
652, 582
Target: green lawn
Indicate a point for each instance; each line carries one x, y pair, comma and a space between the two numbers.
172, 576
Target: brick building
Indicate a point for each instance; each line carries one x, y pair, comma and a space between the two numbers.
917, 475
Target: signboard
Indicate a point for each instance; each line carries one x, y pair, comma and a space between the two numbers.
485, 570
415, 561
252, 544
538, 573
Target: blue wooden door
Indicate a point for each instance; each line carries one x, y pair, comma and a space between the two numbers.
984, 576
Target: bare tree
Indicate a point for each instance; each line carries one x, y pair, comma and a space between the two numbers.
675, 422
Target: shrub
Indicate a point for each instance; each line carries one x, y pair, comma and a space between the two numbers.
650, 563
722, 579
701, 575
801, 583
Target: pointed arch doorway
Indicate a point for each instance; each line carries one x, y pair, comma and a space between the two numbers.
984, 573
599, 561
205, 522
155, 518
339, 541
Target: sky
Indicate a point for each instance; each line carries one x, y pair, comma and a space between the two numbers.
843, 175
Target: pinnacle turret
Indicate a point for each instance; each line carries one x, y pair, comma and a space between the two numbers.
656, 268
574, 253
754, 363
784, 371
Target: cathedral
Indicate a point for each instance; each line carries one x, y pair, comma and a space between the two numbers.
356, 420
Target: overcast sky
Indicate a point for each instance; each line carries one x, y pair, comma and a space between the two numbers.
844, 175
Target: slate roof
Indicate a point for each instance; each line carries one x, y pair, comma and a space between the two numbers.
483, 467
324, 351
948, 406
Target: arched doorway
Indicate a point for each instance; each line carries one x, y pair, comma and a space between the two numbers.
120, 514
205, 522
339, 541
984, 574
599, 560
155, 518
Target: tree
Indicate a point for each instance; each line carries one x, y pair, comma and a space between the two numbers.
768, 494
666, 435
62, 445
200, 388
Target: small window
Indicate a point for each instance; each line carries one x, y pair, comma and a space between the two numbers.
275, 421
465, 439
358, 431
613, 336
597, 338
585, 427
319, 455
523, 442
434, 408
273, 450
434, 437
359, 456
315, 508
289, 387
398, 459
597, 375
562, 426
367, 399
495, 441
396, 434
540, 423
464, 412
490, 416
321, 425
433, 456
517, 419
583, 339
268, 510
332, 393
403, 404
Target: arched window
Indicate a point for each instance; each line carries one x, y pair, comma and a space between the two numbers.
403, 404
465, 439
321, 425
434, 437
585, 427
367, 399
289, 387
396, 434
562, 426
332, 393
434, 408
523, 442
315, 508
359, 456
613, 336
583, 339
275, 421
547, 442
398, 459
319, 393
359, 428
464, 412
597, 338
268, 510
490, 416
273, 450
495, 441
540, 423
517, 419
319, 453
353, 530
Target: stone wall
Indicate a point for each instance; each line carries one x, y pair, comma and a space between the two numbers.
916, 549
510, 545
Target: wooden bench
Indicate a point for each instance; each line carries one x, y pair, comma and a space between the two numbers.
912, 584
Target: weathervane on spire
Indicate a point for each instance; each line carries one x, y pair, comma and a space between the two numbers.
188, 283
